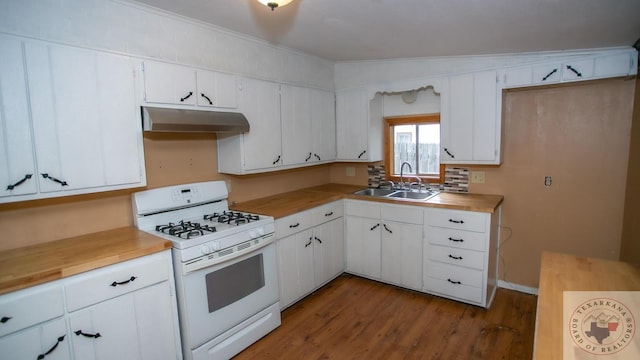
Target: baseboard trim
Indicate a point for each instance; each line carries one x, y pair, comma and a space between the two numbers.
517, 287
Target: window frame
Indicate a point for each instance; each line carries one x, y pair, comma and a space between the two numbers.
389, 144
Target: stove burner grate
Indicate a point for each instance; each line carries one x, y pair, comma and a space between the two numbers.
185, 229
232, 217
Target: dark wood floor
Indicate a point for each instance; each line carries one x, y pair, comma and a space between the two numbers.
356, 318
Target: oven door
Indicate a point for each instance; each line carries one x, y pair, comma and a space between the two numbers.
216, 298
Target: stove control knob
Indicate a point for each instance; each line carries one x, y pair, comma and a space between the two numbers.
205, 249
215, 245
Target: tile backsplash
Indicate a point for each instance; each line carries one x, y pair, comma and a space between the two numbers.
376, 175
456, 179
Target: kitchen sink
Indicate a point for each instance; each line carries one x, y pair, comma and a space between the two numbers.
410, 195
375, 192
396, 194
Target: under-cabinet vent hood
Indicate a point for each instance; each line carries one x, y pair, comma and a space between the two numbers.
180, 120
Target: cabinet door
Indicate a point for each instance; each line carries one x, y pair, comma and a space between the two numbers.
36, 341
402, 254
328, 251
260, 103
86, 124
297, 147
295, 259
17, 163
169, 84
323, 125
352, 114
217, 90
362, 238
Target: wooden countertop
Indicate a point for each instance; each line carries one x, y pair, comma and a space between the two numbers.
558, 273
289, 203
32, 265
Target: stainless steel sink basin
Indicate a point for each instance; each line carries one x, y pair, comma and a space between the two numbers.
375, 192
410, 195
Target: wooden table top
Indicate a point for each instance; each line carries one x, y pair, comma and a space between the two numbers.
32, 265
559, 273
289, 203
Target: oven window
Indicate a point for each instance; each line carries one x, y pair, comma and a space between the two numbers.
234, 282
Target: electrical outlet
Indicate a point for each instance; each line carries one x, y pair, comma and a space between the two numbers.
477, 177
547, 181
351, 171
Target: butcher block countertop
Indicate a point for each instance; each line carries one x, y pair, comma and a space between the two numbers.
289, 203
560, 272
32, 265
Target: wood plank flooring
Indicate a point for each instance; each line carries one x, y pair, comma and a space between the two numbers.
356, 318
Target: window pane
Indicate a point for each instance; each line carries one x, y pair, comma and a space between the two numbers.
429, 149
405, 147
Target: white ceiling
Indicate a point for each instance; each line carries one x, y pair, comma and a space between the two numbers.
382, 29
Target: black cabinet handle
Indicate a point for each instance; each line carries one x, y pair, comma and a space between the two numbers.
386, 228
454, 282
374, 226
318, 240
60, 339
578, 73
455, 257
456, 221
186, 97
448, 153
206, 97
329, 213
549, 74
61, 182
308, 157
115, 283
25, 178
309, 243
277, 160
5, 319
362, 154
294, 225
456, 240
95, 336
317, 156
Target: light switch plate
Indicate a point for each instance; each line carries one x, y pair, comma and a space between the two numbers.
477, 177
351, 171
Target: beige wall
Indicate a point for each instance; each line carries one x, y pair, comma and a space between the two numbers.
578, 135
630, 247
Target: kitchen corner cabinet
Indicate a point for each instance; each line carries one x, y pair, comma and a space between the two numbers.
123, 311
310, 250
359, 126
384, 242
75, 130
308, 125
259, 149
171, 84
471, 119
461, 254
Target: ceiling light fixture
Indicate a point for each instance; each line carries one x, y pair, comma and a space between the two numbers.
273, 4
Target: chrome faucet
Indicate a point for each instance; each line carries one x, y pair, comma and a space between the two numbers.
418, 182
402, 173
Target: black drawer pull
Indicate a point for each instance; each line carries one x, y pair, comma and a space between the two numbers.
456, 240
454, 282
5, 319
374, 227
308, 157
309, 243
206, 97
448, 153
115, 283
318, 240
276, 160
60, 339
25, 178
362, 154
294, 225
386, 228
456, 221
578, 74
549, 74
455, 257
95, 336
329, 213
186, 97
61, 182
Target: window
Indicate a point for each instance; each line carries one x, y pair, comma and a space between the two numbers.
416, 140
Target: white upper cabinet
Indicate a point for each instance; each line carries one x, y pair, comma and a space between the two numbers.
471, 119
308, 125
358, 126
84, 126
171, 84
621, 63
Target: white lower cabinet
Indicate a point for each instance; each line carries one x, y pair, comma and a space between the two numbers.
102, 316
310, 250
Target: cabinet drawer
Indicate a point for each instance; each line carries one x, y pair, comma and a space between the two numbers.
115, 280
27, 307
293, 223
404, 214
455, 219
445, 288
461, 257
327, 212
457, 238
453, 274
368, 209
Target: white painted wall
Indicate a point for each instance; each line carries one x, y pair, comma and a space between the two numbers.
123, 27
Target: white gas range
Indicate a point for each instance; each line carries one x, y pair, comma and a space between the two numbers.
224, 262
